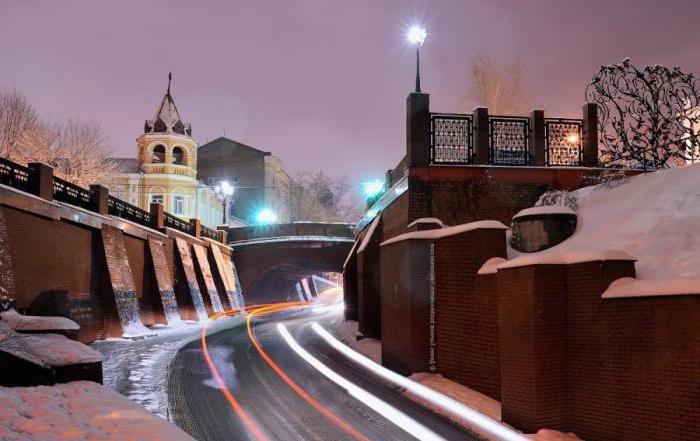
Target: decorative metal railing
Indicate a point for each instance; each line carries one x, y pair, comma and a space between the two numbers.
64, 191
563, 141
178, 224
15, 175
119, 208
509, 140
209, 233
451, 139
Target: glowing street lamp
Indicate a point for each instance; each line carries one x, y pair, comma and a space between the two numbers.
225, 191
416, 35
373, 188
266, 216
572, 138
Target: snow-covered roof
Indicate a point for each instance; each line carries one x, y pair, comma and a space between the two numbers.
547, 209
20, 322
80, 410
631, 287
49, 349
369, 234
568, 257
426, 220
491, 265
447, 231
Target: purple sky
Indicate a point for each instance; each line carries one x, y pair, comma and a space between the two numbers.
320, 83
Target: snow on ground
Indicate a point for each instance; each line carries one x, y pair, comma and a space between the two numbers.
347, 332
49, 349
477, 401
652, 217
19, 322
80, 410
138, 369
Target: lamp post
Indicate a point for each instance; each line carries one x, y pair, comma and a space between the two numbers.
225, 191
416, 35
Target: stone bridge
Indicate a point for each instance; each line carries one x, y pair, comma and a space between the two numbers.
271, 259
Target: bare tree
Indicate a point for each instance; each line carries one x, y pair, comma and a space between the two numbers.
320, 198
77, 150
649, 117
498, 87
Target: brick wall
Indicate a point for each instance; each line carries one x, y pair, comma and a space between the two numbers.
467, 309
350, 288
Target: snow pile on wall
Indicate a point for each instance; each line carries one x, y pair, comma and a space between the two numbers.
49, 350
19, 322
653, 217
78, 410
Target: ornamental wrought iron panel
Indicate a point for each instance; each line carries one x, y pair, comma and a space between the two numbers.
451, 139
119, 208
509, 140
210, 233
72, 194
563, 141
178, 224
15, 175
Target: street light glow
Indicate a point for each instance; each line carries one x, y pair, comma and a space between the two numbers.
266, 216
416, 35
225, 188
372, 188
572, 138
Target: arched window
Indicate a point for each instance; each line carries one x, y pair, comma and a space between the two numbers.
158, 154
178, 156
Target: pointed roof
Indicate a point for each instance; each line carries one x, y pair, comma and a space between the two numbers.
167, 118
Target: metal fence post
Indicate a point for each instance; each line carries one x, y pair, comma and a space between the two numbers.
590, 135
41, 180
99, 198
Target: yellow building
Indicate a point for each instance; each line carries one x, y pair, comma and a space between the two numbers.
165, 170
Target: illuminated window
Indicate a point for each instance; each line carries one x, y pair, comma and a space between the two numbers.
178, 205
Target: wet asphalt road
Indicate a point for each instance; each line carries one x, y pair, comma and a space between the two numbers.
198, 406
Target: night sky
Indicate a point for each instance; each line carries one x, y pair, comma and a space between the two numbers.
320, 83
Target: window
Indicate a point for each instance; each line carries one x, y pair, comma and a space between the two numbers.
157, 199
178, 156
178, 205
158, 154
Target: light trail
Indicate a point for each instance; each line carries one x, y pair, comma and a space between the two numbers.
403, 421
454, 407
295, 387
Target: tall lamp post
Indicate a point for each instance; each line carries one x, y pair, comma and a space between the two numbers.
225, 192
416, 36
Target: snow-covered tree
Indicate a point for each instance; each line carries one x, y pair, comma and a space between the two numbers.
647, 116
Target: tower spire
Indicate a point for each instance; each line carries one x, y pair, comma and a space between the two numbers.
170, 78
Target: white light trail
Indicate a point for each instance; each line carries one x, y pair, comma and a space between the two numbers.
403, 421
454, 407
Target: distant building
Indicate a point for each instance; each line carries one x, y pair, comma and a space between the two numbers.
165, 170
259, 178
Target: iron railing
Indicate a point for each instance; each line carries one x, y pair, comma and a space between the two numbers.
509, 140
451, 139
64, 191
209, 233
178, 224
563, 141
119, 208
15, 175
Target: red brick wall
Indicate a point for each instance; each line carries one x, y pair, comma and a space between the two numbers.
467, 310
350, 288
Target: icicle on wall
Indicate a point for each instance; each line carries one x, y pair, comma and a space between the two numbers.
201, 254
183, 250
164, 280
229, 277
7, 277
122, 281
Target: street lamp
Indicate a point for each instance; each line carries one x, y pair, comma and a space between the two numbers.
416, 35
266, 216
225, 191
373, 188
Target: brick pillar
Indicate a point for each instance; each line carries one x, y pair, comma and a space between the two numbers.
590, 135
157, 217
388, 182
537, 141
481, 136
99, 199
197, 227
533, 346
223, 231
350, 287
418, 130
41, 180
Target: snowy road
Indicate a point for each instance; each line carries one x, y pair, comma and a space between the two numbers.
317, 409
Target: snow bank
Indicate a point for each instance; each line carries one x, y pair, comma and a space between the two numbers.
347, 332
447, 231
49, 350
19, 322
546, 209
79, 410
556, 256
630, 287
652, 217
